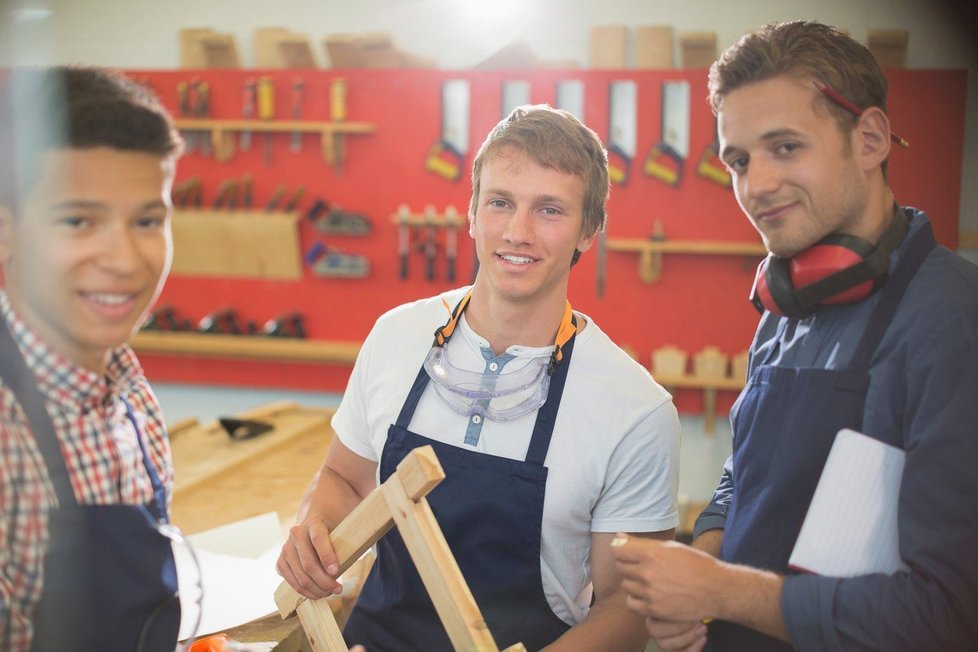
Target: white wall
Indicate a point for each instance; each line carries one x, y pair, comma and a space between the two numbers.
460, 33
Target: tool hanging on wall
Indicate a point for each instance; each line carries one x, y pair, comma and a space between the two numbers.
452, 222
188, 193
165, 318
403, 239
666, 158
514, 93
570, 97
330, 262
226, 321
246, 192
298, 97
291, 324
330, 220
186, 111
226, 195
447, 156
248, 111
430, 244
276, 197
337, 113
623, 129
266, 112
202, 110
293, 203
711, 167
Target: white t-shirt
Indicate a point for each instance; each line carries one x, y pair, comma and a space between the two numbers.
613, 459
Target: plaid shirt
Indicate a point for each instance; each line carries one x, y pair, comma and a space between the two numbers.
101, 454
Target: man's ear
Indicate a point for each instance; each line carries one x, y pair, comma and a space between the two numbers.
872, 135
6, 234
471, 224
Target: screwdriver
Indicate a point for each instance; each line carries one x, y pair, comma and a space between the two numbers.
248, 111
266, 111
298, 94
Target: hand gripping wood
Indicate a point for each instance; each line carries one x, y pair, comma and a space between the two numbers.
400, 502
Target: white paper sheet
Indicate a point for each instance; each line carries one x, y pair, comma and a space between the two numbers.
238, 574
851, 526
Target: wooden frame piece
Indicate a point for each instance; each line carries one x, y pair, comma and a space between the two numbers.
400, 501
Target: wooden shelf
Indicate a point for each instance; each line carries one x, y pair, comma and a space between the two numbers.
246, 347
222, 133
650, 250
710, 386
968, 240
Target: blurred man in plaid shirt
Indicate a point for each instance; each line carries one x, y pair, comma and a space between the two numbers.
87, 161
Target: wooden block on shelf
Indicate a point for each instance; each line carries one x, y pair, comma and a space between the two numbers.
609, 46
699, 49
668, 361
377, 51
277, 48
653, 46
343, 50
889, 46
710, 363
202, 47
254, 244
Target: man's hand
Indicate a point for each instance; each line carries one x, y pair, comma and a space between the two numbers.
677, 585
677, 636
307, 561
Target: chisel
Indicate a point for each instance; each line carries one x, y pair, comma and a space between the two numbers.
451, 241
266, 111
430, 242
403, 238
248, 111
298, 94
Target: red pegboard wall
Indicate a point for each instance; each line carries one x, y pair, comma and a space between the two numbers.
698, 301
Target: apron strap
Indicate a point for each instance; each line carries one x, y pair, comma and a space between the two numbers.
543, 429
15, 373
158, 506
920, 245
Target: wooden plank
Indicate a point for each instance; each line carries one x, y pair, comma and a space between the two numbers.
453, 601
968, 240
418, 473
248, 347
320, 626
653, 46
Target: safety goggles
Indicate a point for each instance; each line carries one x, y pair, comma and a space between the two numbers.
518, 388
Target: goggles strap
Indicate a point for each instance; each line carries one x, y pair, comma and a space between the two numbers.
567, 330
443, 333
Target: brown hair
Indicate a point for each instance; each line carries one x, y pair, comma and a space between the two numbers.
806, 50
74, 107
554, 139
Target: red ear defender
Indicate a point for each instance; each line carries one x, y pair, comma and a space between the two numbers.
837, 269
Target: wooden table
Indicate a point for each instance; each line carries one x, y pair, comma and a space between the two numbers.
219, 480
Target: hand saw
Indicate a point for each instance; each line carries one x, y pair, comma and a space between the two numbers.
570, 97
514, 93
665, 159
623, 128
447, 155
711, 167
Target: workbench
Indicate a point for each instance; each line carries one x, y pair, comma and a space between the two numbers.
219, 480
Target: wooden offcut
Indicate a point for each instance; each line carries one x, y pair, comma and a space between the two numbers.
653, 47
253, 244
889, 47
699, 49
400, 501
202, 47
609, 45
277, 48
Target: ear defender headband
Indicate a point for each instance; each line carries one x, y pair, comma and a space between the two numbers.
837, 269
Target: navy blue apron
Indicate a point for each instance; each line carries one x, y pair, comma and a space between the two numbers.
784, 423
491, 512
110, 582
